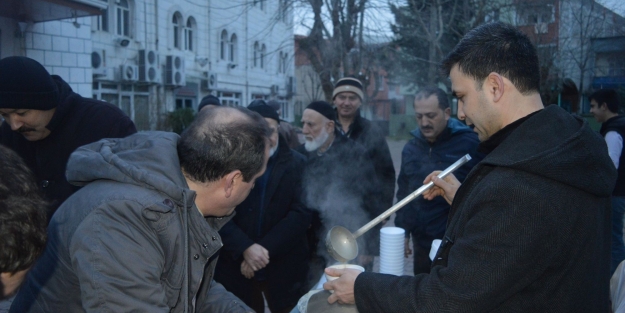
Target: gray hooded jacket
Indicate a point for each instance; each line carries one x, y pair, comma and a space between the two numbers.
125, 241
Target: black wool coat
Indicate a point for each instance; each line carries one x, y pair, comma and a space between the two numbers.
529, 230
281, 229
340, 185
76, 122
372, 138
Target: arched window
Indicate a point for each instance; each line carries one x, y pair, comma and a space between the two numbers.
282, 63
224, 45
256, 54
176, 22
122, 16
233, 49
188, 34
263, 53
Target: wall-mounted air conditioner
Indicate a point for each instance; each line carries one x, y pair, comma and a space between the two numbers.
275, 89
209, 82
129, 73
97, 63
149, 70
174, 71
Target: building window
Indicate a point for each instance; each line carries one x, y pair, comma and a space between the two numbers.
231, 99
176, 22
123, 18
282, 63
224, 45
188, 34
233, 49
101, 22
256, 54
260, 3
263, 53
283, 11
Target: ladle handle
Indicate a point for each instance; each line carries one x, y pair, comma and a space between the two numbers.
411, 196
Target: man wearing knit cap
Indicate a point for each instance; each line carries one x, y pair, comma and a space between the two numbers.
348, 96
45, 121
339, 180
265, 248
208, 100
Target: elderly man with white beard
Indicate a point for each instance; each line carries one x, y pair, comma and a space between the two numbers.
339, 182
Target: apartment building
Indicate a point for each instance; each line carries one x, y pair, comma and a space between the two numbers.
150, 57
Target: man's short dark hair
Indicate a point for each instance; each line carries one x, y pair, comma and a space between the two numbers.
221, 140
607, 96
23, 214
497, 47
441, 95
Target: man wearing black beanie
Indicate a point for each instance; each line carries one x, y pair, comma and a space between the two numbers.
45, 121
265, 249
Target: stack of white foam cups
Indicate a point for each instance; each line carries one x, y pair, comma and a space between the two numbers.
392, 250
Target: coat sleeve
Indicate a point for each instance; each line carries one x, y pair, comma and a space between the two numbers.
119, 263
384, 170
122, 128
235, 240
403, 191
220, 300
502, 251
289, 231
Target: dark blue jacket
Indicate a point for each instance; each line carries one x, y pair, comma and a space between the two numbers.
420, 158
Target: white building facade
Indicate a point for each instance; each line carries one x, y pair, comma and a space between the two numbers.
150, 57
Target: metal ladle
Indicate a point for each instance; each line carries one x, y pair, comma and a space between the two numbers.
341, 243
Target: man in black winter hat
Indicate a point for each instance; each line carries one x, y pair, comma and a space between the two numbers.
265, 249
208, 100
45, 121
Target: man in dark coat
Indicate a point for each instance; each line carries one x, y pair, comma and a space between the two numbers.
286, 129
347, 97
529, 229
338, 180
604, 105
265, 249
45, 121
438, 142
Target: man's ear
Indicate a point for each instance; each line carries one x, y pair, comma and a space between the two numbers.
330, 126
230, 180
494, 86
447, 113
604, 106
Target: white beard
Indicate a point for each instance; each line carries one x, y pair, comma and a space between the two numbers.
273, 150
313, 145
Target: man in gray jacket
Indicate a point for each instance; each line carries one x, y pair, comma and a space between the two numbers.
141, 235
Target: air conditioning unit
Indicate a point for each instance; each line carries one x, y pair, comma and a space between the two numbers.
97, 63
149, 70
174, 71
210, 82
129, 73
105, 74
275, 89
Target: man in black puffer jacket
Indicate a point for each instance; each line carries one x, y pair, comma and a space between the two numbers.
529, 229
